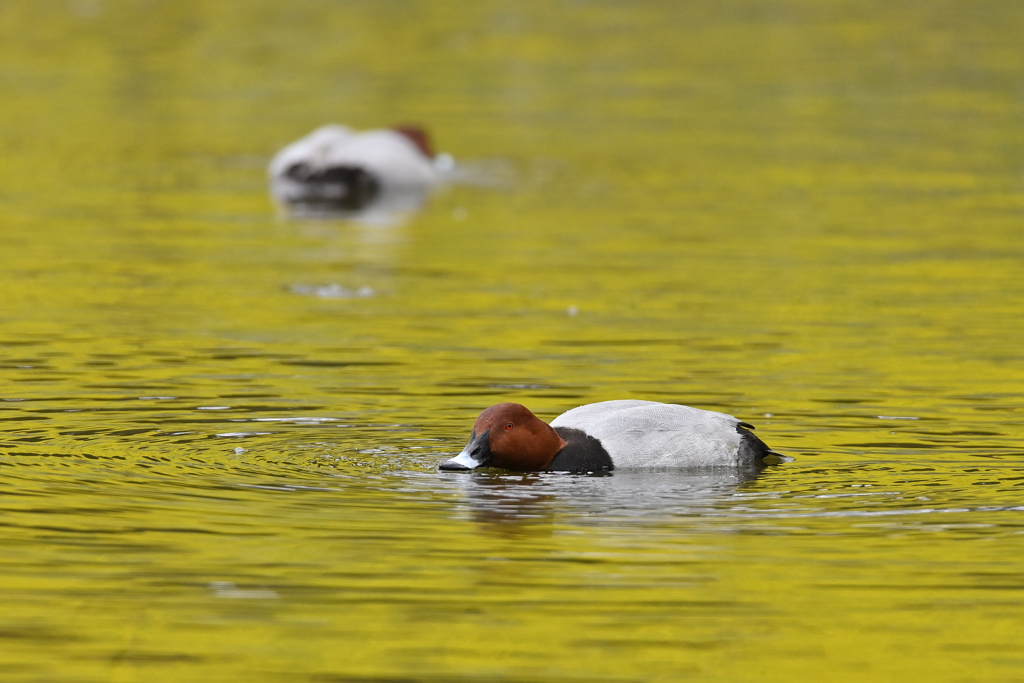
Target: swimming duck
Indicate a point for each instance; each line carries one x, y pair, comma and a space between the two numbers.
335, 168
610, 435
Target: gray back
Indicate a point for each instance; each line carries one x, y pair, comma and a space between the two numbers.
650, 434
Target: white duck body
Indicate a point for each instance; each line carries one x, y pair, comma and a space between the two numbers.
382, 161
645, 434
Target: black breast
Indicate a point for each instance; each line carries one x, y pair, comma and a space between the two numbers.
582, 453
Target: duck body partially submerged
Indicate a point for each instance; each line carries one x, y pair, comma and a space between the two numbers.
627, 434
335, 168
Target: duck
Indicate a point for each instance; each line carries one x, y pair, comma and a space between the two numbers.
335, 168
598, 437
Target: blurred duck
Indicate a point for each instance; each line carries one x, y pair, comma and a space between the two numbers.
610, 435
335, 169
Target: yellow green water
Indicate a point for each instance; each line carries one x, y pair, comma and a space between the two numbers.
806, 214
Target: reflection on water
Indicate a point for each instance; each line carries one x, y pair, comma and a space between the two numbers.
382, 207
220, 431
332, 291
620, 495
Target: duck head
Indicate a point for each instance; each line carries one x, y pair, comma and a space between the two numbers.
510, 437
418, 136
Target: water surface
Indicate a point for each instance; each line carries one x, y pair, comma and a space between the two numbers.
219, 429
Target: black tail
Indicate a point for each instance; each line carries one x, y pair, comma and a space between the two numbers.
342, 188
753, 450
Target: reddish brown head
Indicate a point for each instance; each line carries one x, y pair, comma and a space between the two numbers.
508, 436
419, 138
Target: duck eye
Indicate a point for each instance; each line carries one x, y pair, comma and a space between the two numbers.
509, 426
